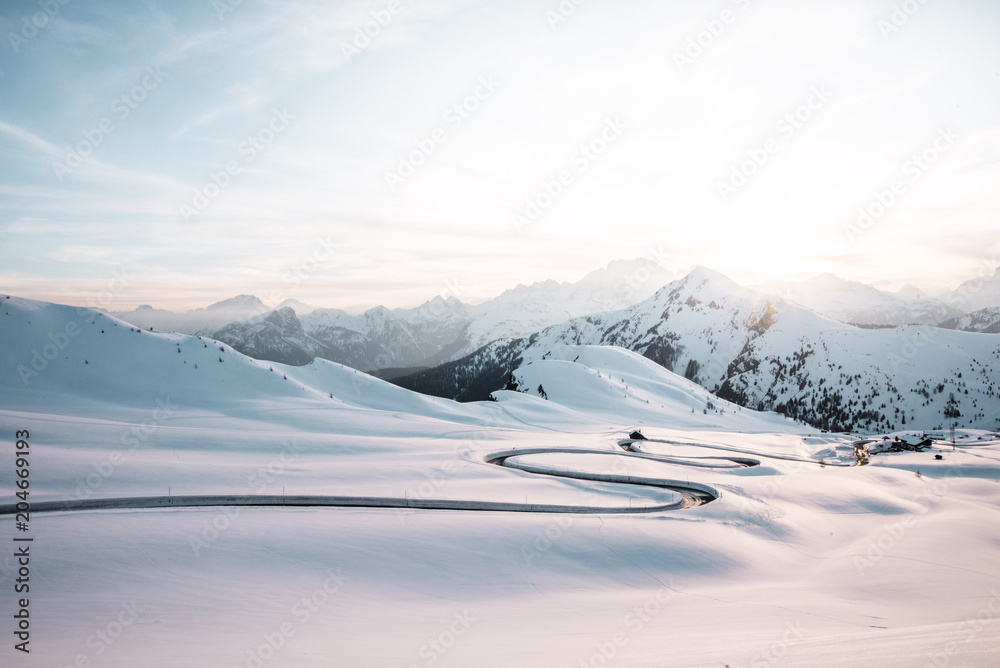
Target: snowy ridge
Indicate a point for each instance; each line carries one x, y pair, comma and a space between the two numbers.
609, 382
52, 354
977, 293
439, 330
236, 309
444, 329
986, 321
527, 309
861, 304
768, 354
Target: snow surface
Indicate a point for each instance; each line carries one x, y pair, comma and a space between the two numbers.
774, 354
892, 564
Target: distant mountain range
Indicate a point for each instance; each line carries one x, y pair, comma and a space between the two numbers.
787, 347
236, 309
436, 331
861, 304
985, 320
766, 353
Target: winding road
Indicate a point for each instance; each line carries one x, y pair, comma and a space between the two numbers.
689, 494
632, 445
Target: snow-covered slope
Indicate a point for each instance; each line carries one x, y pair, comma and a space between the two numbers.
794, 563
612, 382
769, 354
51, 351
861, 304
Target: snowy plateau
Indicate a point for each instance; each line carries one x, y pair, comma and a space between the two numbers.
195, 506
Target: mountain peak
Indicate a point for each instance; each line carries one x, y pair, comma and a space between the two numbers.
284, 318
299, 307
828, 278
239, 302
700, 274
910, 291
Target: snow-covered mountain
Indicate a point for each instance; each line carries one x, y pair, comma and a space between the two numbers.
985, 320
102, 360
439, 330
236, 309
279, 337
608, 382
530, 308
403, 337
767, 353
704, 338
862, 304
976, 293
299, 307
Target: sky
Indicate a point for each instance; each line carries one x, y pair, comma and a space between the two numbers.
355, 153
